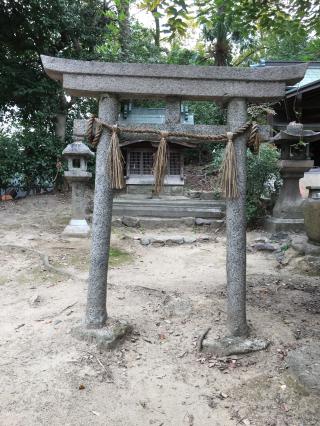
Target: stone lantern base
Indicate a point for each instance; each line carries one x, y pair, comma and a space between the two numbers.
288, 211
77, 228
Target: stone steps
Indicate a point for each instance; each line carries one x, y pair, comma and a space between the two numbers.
185, 208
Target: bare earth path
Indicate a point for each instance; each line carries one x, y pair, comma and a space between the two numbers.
170, 295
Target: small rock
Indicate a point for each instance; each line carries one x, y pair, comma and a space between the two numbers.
279, 236
35, 300
206, 195
189, 240
263, 247
117, 223
131, 222
200, 221
174, 241
145, 241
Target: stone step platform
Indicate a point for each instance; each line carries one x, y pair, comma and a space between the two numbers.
169, 208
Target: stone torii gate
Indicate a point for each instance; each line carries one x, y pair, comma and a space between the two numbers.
111, 82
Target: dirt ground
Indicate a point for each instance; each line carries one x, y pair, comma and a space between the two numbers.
170, 295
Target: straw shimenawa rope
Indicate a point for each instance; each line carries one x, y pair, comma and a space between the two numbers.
229, 174
116, 160
160, 163
229, 182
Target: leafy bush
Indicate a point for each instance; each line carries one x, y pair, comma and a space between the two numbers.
28, 160
263, 178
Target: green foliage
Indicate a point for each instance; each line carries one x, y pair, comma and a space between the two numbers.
263, 178
29, 28
10, 155
206, 112
28, 160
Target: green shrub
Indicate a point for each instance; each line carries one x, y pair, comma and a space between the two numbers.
263, 178
28, 160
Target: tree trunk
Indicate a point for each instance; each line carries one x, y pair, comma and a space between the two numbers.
60, 126
124, 26
157, 30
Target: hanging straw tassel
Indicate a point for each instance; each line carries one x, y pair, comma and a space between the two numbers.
116, 161
89, 132
229, 182
160, 163
254, 138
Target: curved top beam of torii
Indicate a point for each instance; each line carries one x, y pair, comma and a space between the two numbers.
91, 78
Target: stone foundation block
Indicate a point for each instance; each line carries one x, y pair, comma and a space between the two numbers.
106, 337
233, 345
77, 228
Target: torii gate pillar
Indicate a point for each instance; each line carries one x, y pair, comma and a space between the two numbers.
236, 228
96, 313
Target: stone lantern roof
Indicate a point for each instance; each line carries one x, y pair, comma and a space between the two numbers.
295, 131
77, 149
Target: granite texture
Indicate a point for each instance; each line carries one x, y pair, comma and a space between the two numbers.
84, 78
172, 112
236, 229
289, 204
312, 219
77, 228
304, 365
77, 178
233, 345
56, 67
96, 313
106, 337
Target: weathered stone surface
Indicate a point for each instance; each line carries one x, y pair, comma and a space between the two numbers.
144, 241
302, 245
162, 240
304, 366
206, 195
233, 345
78, 178
117, 222
279, 236
310, 265
189, 240
173, 110
131, 222
312, 215
202, 221
236, 228
106, 337
274, 224
96, 312
193, 194
157, 223
263, 246
90, 78
289, 203
77, 228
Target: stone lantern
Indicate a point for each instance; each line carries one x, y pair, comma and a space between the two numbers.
294, 161
77, 154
